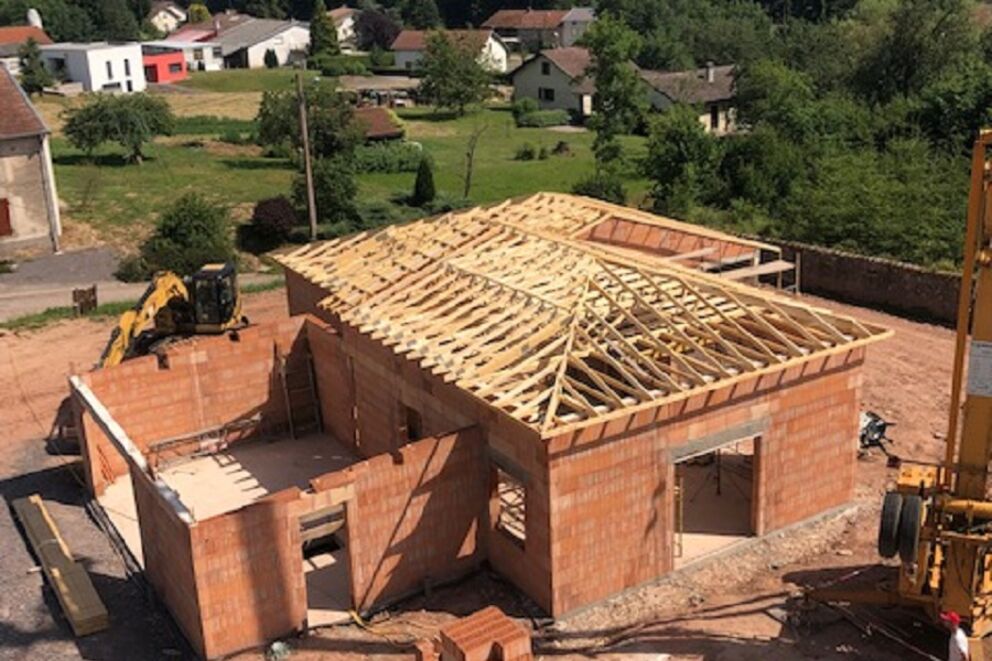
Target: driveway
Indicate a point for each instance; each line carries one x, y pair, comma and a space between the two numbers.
47, 282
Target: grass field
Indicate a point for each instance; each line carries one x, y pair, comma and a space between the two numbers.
244, 80
120, 202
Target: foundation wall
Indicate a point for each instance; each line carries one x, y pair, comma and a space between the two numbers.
202, 384
166, 542
612, 485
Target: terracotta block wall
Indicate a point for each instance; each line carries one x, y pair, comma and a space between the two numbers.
332, 371
168, 556
205, 382
248, 566
421, 518
612, 485
662, 241
303, 296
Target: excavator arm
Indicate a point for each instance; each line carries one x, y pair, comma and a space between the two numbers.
164, 288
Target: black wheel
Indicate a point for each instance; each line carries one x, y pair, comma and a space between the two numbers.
888, 527
909, 528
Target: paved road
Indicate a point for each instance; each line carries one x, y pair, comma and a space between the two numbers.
48, 282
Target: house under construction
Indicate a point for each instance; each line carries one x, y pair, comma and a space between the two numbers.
582, 395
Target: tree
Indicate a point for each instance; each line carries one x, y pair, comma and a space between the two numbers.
265, 9
421, 14
129, 120
473, 145
190, 233
375, 29
423, 187
330, 120
334, 192
323, 34
116, 21
453, 77
681, 160
619, 94
198, 13
34, 76
64, 20
772, 93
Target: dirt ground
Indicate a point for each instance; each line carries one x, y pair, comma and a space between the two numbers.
736, 608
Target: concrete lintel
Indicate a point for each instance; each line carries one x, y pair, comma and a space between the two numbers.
712, 442
125, 445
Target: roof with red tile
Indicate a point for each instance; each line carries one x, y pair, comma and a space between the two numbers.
19, 34
416, 40
378, 123
525, 19
19, 118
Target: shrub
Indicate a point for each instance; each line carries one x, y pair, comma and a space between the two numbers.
524, 106
334, 191
233, 137
390, 157
602, 186
338, 65
423, 188
271, 59
381, 58
272, 221
562, 149
543, 154
543, 119
189, 234
133, 268
525, 152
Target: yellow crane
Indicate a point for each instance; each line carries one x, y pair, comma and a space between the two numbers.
207, 302
938, 518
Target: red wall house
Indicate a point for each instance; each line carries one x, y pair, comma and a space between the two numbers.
165, 67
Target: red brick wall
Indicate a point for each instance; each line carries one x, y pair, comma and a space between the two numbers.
332, 370
662, 241
611, 485
303, 296
166, 545
208, 381
249, 575
417, 519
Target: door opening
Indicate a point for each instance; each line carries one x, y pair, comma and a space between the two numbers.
325, 566
714, 500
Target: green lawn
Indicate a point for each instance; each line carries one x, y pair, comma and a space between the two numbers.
244, 80
121, 201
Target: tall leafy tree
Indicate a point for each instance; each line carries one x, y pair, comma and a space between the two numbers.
130, 120
323, 34
619, 94
198, 13
453, 77
681, 160
421, 14
116, 21
376, 28
34, 76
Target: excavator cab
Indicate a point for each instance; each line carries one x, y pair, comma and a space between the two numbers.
216, 303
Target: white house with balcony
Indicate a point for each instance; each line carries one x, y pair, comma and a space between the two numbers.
97, 66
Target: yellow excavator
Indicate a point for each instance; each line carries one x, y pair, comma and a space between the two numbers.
208, 302
938, 518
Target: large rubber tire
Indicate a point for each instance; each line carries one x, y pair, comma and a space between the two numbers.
888, 527
909, 528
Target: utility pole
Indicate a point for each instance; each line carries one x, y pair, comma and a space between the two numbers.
308, 166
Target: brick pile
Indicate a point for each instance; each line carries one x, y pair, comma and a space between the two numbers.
486, 635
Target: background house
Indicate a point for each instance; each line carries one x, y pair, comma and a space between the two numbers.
163, 64
98, 66
12, 38
344, 22
530, 30
556, 78
166, 16
710, 88
409, 47
199, 55
244, 39
29, 207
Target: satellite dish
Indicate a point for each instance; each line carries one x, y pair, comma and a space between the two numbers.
34, 18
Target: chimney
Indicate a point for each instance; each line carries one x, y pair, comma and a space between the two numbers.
710, 71
34, 18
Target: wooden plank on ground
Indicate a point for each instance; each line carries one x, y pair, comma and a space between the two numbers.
73, 587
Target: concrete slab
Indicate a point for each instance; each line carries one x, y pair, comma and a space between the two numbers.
328, 588
247, 471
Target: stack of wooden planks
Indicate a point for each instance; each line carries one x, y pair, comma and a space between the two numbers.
80, 602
